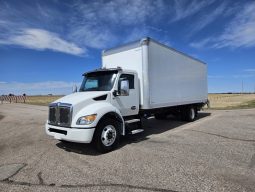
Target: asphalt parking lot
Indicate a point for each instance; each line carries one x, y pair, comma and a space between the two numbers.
214, 153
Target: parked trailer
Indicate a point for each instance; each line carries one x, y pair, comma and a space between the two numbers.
139, 79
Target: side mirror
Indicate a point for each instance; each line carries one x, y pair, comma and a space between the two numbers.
124, 88
74, 89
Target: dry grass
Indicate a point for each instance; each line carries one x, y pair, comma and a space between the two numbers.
231, 101
41, 100
217, 101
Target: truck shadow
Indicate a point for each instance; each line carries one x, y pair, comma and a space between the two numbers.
151, 127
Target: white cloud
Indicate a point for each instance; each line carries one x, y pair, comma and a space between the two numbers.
209, 18
120, 12
184, 9
94, 37
136, 34
201, 44
237, 76
240, 32
234, 76
249, 70
47, 87
40, 39
95, 24
102, 24
216, 76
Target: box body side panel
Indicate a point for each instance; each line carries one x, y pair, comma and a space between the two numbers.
174, 79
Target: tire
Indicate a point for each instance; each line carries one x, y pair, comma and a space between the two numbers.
160, 116
107, 135
190, 114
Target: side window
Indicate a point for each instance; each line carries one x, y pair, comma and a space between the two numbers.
130, 78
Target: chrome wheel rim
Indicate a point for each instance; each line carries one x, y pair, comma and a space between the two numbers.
108, 135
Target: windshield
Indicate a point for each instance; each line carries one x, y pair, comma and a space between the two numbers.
99, 81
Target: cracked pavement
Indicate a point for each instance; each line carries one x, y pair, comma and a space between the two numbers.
214, 153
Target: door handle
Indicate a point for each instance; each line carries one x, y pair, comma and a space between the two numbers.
133, 107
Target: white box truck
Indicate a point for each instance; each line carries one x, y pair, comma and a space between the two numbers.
140, 79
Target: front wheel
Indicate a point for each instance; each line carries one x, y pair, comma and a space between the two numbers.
107, 135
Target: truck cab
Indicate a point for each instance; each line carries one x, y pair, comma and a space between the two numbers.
97, 111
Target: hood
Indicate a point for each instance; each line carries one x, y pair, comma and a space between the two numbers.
80, 97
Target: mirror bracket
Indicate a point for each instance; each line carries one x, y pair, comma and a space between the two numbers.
115, 93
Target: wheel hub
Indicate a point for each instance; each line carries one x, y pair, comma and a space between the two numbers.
192, 111
108, 135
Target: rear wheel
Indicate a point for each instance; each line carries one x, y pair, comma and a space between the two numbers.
190, 114
107, 135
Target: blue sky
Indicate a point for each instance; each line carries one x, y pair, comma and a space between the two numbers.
45, 46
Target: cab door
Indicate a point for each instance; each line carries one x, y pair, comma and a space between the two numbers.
128, 105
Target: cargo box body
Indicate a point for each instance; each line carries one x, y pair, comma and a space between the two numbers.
167, 77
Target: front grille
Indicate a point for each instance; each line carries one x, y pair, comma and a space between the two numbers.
64, 114
60, 114
52, 114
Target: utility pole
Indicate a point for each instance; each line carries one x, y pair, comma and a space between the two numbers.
242, 86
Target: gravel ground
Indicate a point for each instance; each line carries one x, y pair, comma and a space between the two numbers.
214, 153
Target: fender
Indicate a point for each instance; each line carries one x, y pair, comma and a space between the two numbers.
99, 108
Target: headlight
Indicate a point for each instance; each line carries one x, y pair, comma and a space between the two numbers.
86, 120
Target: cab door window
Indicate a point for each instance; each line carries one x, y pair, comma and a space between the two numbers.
130, 78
